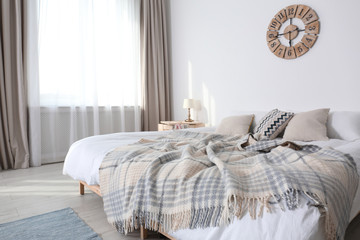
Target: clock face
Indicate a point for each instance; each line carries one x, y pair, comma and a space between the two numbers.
293, 31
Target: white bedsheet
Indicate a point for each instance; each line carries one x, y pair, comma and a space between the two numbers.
85, 156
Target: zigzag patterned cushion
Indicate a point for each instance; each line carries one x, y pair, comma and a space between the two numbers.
272, 124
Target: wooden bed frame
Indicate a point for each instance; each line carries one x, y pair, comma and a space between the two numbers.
96, 189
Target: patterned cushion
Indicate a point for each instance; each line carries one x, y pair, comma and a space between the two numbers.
272, 124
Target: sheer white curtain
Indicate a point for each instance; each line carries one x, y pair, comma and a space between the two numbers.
89, 73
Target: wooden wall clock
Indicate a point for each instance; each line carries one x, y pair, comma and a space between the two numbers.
283, 35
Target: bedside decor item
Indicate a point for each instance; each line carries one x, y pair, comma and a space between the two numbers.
189, 103
282, 41
175, 125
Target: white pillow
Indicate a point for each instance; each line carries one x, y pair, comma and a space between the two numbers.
235, 125
308, 126
344, 125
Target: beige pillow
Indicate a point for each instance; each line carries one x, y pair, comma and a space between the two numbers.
235, 125
308, 126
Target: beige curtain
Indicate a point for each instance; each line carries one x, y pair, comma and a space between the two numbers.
154, 64
14, 150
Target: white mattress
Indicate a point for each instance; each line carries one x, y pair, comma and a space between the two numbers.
85, 156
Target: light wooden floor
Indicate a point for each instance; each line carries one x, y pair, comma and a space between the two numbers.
28, 192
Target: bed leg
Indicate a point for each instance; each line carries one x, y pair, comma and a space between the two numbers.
143, 233
82, 189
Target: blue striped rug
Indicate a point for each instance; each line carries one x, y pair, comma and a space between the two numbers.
58, 225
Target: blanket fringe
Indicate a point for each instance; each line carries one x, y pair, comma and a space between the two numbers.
238, 205
201, 218
330, 228
235, 207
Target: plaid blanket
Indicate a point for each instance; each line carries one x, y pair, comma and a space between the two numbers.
198, 180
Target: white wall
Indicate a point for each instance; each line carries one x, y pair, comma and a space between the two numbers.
220, 56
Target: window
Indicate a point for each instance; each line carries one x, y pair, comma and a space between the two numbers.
89, 53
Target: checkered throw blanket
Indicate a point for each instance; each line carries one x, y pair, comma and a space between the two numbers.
198, 180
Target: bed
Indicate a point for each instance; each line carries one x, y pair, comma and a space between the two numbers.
85, 157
